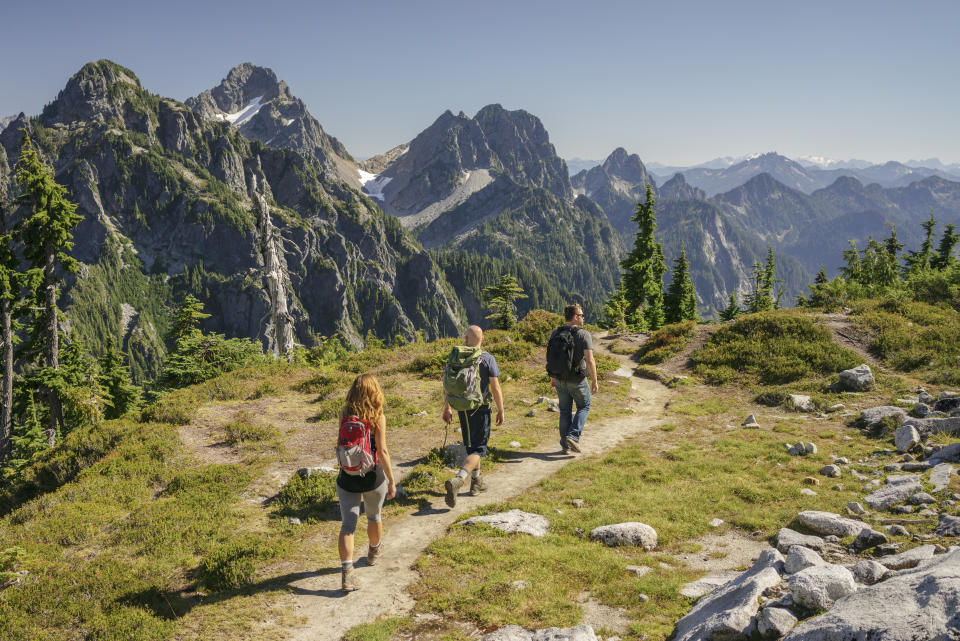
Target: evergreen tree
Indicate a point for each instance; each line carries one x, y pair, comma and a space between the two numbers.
11, 284
499, 299
732, 310
893, 244
644, 267
771, 281
948, 241
923, 259
680, 302
615, 311
30, 437
46, 233
853, 270
765, 296
821, 277
122, 396
186, 318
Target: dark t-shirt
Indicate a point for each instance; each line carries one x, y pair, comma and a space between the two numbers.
488, 369
582, 341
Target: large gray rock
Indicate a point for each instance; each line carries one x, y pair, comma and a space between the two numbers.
802, 403
868, 538
632, 533
947, 405
948, 454
800, 558
516, 633
787, 538
513, 521
774, 623
906, 438
818, 587
948, 525
858, 379
868, 571
729, 611
930, 426
908, 559
893, 493
829, 523
873, 415
941, 475
909, 606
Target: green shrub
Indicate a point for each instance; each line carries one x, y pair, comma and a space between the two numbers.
605, 364
198, 357
537, 326
307, 497
10, 559
232, 565
771, 348
241, 431
511, 352
666, 341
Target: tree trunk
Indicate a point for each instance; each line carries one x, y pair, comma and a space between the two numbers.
52, 347
6, 394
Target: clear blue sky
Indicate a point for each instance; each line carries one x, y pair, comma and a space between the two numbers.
676, 82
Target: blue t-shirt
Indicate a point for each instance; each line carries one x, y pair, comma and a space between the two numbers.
488, 369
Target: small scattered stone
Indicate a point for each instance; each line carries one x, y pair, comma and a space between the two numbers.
292, 520
892, 467
832, 538
514, 444
751, 422
855, 509
642, 598
532, 412
775, 622
513, 521
799, 558
897, 530
716, 522
836, 407
916, 466
811, 480
811, 448
577, 503
869, 571
887, 549
638, 570
520, 585
868, 538
632, 533
832, 471
787, 538
903, 509
922, 498
906, 438
802, 403
806, 491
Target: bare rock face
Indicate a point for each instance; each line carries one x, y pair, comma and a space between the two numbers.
829, 523
729, 612
818, 587
516, 633
911, 605
893, 493
775, 623
514, 521
801, 558
633, 533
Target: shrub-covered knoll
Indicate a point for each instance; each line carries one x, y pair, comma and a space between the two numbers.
666, 341
771, 348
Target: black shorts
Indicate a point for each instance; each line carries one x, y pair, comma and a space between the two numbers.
475, 429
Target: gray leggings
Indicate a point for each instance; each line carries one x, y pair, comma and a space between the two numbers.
350, 505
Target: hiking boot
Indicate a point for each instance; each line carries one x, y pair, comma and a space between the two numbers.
348, 582
453, 486
572, 445
477, 485
373, 554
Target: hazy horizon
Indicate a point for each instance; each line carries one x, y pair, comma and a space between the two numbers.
677, 84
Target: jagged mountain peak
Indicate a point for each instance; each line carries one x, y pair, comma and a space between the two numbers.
677, 188
626, 166
102, 91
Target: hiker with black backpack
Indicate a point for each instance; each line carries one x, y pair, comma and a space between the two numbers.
471, 378
569, 360
365, 472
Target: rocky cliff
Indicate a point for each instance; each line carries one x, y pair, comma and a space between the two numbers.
174, 203
617, 186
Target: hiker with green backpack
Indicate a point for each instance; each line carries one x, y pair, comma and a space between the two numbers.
471, 378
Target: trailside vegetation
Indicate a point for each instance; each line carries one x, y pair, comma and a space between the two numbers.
499, 299
643, 269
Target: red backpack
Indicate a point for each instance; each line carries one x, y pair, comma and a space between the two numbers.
355, 452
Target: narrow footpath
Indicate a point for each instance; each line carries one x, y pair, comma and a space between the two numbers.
327, 613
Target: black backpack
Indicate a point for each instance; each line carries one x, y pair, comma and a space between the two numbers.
561, 349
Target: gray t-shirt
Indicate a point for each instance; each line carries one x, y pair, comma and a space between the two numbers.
582, 341
488, 369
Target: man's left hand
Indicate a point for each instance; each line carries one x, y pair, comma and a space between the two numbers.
499, 416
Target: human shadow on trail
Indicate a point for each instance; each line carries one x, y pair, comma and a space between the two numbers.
175, 604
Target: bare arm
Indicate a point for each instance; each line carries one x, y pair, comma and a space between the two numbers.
497, 397
592, 369
380, 434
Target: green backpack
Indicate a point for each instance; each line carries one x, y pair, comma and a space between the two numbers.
461, 379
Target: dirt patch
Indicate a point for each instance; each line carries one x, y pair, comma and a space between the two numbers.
681, 363
846, 334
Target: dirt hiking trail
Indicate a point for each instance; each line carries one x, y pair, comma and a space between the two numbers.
327, 614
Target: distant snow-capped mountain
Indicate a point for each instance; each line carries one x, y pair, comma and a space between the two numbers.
820, 162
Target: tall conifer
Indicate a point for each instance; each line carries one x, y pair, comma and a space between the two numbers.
642, 282
680, 302
46, 233
948, 241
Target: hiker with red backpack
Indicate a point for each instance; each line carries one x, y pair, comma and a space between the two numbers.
471, 378
569, 360
365, 472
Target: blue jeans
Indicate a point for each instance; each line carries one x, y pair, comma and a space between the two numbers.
569, 392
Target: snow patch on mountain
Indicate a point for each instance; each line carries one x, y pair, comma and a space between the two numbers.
248, 111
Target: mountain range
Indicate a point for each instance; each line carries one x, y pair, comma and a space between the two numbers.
240, 197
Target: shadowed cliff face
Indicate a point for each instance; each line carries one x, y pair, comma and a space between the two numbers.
167, 211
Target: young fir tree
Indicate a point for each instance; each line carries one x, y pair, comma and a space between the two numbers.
122, 396
919, 261
764, 297
680, 302
46, 233
642, 282
944, 257
186, 318
499, 299
821, 277
732, 310
615, 311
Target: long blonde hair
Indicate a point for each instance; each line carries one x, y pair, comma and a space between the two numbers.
365, 399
